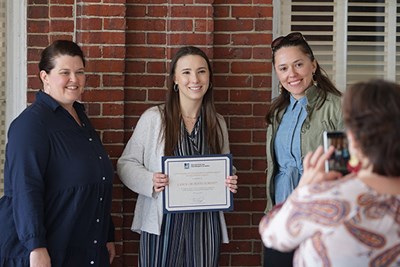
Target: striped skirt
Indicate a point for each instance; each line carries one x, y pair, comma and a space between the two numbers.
186, 239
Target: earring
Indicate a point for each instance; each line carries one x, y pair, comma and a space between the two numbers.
176, 88
210, 85
280, 88
314, 80
354, 164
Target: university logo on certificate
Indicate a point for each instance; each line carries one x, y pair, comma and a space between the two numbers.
197, 183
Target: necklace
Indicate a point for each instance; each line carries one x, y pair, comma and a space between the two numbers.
188, 117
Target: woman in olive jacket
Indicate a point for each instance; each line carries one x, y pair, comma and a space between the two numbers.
308, 105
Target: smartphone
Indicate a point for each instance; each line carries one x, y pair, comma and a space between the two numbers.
340, 157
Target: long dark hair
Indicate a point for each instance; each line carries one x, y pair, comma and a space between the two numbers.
371, 111
325, 85
172, 112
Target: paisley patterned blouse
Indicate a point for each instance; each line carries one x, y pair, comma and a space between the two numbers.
339, 223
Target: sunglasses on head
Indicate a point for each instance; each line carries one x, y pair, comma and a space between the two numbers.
291, 37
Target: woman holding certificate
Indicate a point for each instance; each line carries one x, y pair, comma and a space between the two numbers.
187, 124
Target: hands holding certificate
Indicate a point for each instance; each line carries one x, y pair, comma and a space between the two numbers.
160, 181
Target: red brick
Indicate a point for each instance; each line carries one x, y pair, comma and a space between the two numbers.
240, 136
117, 80
92, 81
222, 11
102, 10
62, 2
37, 40
234, 25
233, 81
114, 52
204, 25
180, 25
156, 11
250, 38
96, 65
38, 12
62, 25
38, 26
145, 81
115, 24
260, 136
61, 11
145, 52
89, 23
195, 39
135, 95
246, 260
112, 109
145, 25
225, 53
157, 95
263, 24
135, 38
158, 38
103, 95
249, 95
102, 37
251, 67
262, 82
191, 11
246, 150
252, 11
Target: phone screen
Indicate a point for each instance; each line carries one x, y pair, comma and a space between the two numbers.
339, 159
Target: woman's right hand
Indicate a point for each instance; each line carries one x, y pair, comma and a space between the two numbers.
314, 167
39, 257
160, 181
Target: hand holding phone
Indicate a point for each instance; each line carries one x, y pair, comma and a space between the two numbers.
339, 159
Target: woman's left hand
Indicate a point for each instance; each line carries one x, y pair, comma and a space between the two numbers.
111, 250
232, 183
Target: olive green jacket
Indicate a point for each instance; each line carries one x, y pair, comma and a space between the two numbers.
327, 118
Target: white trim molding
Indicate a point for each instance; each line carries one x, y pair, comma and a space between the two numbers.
16, 59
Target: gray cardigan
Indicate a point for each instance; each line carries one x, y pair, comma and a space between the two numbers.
140, 159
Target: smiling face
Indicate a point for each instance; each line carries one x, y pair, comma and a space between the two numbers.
294, 70
192, 77
65, 82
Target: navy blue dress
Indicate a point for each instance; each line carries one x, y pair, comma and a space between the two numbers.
58, 189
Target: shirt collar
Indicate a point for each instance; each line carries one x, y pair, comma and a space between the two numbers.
51, 102
46, 99
303, 101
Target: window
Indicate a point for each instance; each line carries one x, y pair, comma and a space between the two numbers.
352, 40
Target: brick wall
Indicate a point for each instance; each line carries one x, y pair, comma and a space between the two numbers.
128, 44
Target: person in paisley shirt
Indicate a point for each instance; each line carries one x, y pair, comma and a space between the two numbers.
353, 220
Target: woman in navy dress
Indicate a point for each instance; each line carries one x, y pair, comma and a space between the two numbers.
58, 176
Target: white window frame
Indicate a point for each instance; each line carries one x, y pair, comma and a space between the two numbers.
16, 59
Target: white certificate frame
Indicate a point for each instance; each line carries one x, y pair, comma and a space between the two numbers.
197, 183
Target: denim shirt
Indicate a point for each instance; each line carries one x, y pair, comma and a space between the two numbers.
288, 149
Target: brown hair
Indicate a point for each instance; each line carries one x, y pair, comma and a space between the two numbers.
172, 114
324, 83
371, 111
59, 48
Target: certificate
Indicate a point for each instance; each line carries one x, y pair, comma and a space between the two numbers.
197, 183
